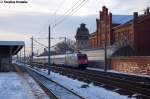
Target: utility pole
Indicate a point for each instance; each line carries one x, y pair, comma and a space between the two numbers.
24, 55
65, 44
49, 45
105, 48
17, 58
20, 56
65, 49
31, 52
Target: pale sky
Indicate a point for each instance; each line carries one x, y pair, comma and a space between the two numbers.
21, 21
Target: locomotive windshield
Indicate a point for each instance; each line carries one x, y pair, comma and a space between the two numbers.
82, 56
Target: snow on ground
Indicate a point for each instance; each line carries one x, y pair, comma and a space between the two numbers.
13, 87
140, 75
19, 86
35, 88
119, 72
89, 92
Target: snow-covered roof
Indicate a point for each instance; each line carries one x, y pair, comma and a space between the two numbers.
121, 19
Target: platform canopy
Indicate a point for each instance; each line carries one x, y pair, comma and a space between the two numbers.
10, 47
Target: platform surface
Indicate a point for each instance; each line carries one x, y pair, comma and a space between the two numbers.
15, 86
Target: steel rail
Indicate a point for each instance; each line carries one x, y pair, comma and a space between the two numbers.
114, 81
128, 85
32, 72
122, 83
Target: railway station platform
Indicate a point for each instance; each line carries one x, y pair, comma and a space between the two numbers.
14, 85
7, 50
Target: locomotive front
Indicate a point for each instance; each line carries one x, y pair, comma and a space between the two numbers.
82, 60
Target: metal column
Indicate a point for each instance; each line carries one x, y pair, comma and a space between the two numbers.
49, 45
105, 48
24, 55
31, 52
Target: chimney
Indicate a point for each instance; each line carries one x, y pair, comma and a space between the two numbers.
101, 15
104, 7
97, 23
110, 17
105, 10
147, 10
135, 15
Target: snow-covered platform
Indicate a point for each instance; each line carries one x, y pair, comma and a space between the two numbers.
16, 86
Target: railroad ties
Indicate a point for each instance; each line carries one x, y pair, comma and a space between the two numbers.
55, 90
123, 83
120, 83
133, 86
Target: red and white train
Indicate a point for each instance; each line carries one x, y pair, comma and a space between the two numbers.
76, 60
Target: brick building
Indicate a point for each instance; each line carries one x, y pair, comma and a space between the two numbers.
135, 32
103, 25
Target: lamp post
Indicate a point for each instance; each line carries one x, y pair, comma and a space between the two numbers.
105, 48
31, 52
24, 55
20, 56
49, 46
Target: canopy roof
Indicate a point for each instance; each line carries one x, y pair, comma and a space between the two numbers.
10, 47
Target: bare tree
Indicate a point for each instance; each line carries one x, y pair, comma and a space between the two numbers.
63, 47
45, 52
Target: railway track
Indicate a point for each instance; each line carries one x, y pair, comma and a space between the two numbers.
135, 78
126, 84
105, 79
57, 91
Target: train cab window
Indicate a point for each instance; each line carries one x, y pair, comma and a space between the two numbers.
82, 56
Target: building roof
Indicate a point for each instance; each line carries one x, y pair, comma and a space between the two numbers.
93, 34
121, 19
11, 43
118, 20
129, 22
10, 47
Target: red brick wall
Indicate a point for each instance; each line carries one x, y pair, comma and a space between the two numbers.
103, 26
93, 41
142, 29
124, 32
136, 65
105, 23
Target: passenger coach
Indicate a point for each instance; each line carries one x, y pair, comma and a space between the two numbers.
76, 60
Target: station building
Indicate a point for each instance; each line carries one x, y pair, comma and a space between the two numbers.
132, 31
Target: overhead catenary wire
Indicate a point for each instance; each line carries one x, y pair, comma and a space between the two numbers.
70, 9
40, 43
44, 46
59, 6
70, 12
